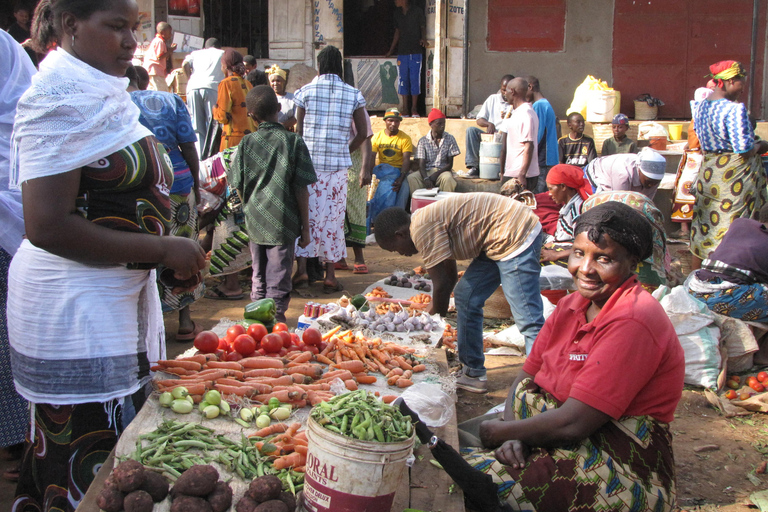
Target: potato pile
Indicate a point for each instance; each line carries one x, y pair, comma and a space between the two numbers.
199, 489
132, 488
265, 494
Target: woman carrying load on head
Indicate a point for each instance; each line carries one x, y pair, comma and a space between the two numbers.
731, 182
84, 316
567, 441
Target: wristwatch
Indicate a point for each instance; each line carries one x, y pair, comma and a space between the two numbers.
433, 442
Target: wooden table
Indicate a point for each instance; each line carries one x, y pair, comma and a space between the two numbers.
428, 488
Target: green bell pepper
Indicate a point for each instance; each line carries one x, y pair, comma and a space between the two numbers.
263, 310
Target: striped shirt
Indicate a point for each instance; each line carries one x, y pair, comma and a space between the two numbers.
566, 221
464, 226
722, 126
328, 104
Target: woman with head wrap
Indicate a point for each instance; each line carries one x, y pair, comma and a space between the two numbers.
731, 182
576, 432
277, 79
230, 108
567, 187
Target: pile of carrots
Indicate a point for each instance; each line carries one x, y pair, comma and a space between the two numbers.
290, 445
378, 292
449, 337
298, 379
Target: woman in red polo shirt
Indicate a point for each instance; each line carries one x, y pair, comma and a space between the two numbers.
586, 421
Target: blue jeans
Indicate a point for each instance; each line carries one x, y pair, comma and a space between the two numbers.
519, 278
472, 158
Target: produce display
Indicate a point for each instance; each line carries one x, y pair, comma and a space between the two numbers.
132, 488
743, 387
265, 494
449, 336
362, 416
378, 292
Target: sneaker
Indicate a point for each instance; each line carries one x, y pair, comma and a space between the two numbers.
473, 172
472, 384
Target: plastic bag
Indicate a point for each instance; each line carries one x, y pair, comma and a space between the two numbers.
434, 407
649, 129
581, 94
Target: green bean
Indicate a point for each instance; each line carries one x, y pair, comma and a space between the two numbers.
360, 415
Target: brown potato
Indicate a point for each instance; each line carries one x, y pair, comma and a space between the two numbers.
156, 485
129, 475
110, 499
289, 499
221, 497
265, 488
199, 480
246, 504
183, 503
138, 501
272, 506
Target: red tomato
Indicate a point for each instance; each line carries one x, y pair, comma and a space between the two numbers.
757, 387
257, 331
745, 395
244, 344
272, 343
207, 342
313, 349
285, 337
762, 377
261, 352
751, 379
233, 356
280, 326
234, 331
295, 340
731, 394
283, 351
322, 346
312, 336
224, 345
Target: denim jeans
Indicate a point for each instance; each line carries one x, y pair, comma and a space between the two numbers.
472, 158
519, 278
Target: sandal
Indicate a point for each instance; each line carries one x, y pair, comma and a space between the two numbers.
360, 268
217, 294
341, 266
186, 337
327, 288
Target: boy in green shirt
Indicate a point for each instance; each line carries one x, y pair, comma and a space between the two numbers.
619, 143
270, 172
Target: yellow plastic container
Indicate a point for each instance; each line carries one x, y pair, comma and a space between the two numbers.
675, 131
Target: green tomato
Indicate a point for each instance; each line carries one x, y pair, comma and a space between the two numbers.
202, 405
181, 406
246, 414
273, 402
213, 397
179, 392
224, 406
165, 399
281, 413
264, 409
212, 411
263, 421
189, 399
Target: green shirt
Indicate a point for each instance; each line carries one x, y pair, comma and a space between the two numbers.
270, 166
610, 147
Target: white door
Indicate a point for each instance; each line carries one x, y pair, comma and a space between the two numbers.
287, 31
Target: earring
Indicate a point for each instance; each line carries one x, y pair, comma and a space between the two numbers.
73, 40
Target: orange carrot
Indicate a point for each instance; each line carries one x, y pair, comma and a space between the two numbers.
365, 379
258, 387
287, 461
261, 362
284, 396
403, 383
194, 388
264, 372
407, 374
393, 379
299, 469
330, 333
181, 372
283, 380
350, 384
197, 398
300, 378
300, 448
207, 374
197, 358
388, 399
298, 404
419, 368
303, 357
403, 363
275, 428
311, 370
315, 387
352, 366
235, 390
322, 359
226, 365
178, 363
395, 371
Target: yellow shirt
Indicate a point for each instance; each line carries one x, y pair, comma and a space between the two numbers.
391, 149
463, 226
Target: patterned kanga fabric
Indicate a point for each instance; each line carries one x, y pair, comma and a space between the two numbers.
627, 465
722, 125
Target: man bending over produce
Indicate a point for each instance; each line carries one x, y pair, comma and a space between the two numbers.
501, 236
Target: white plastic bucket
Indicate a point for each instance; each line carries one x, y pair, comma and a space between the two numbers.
347, 475
602, 106
490, 160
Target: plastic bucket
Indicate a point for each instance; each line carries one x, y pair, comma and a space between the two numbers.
602, 106
490, 160
675, 131
347, 475
659, 143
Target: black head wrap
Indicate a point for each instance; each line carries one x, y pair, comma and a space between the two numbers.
622, 223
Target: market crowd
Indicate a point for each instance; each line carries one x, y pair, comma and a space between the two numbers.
117, 197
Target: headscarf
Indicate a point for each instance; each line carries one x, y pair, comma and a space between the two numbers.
233, 60
275, 70
622, 223
725, 70
571, 176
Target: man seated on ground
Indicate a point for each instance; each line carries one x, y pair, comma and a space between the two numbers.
490, 116
393, 148
520, 137
640, 172
619, 143
576, 148
434, 157
501, 236
733, 281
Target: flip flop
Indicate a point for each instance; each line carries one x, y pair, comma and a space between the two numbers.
360, 268
216, 294
300, 284
186, 337
333, 289
340, 266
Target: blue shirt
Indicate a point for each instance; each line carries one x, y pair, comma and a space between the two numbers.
722, 126
548, 123
167, 117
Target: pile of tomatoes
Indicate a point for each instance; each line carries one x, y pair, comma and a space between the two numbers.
756, 383
240, 342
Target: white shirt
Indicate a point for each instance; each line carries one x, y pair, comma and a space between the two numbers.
206, 69
521, 127
493, 110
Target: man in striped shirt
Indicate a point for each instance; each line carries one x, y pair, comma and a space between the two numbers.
501, 236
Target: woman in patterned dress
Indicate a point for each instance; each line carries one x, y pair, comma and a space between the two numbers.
576, 433
731, 181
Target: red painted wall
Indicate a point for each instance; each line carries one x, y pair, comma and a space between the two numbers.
665, 47
526, 25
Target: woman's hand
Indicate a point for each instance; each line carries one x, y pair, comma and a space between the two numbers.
513, 454
184, 256
548, 254
398, 183
492, 433
365, 177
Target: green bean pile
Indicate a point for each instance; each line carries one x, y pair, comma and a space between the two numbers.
362, 416
175, 447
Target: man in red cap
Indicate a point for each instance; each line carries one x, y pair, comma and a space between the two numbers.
434, 157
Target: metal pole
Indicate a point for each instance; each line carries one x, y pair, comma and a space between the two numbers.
753, 54
465, 85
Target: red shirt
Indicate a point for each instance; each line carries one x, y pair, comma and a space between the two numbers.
626, 362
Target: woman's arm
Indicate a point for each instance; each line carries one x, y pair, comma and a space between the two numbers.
362, 129
300, 121
53, 224
366, 154
222, 111
189, 153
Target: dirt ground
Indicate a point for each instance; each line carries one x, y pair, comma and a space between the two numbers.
716, 456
